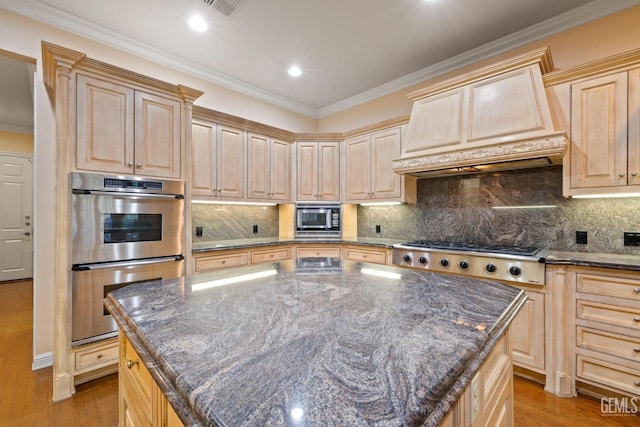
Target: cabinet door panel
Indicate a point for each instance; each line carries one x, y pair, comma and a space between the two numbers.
599, 132
258, 166
280, 165
527, 333
329, 171
157, 136
203, 151
230, 166
358, 168
104, 126
385, 184
307, 171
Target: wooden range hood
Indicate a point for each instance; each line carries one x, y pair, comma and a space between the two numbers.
493, 118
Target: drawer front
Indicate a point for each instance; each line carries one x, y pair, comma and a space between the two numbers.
132, 366
609, 286
215, 262
606, 342
97, 357
378, 257
270, 255
608, 374
606, 313
318, 252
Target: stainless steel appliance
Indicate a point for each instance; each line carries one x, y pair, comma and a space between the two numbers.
124, 230
318, 220
506, 263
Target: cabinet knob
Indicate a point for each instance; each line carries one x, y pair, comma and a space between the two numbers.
99, 356
636, 291
219, 189
636, 350
132, 363
621, 174
636, 319
130, 164
636, 383
634, 173
27, 233
138, 165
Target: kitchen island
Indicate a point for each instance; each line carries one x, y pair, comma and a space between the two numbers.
314, 342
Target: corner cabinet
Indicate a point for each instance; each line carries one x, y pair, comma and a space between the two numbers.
269, 164
318, 171
368, 173
218, 165
125, 130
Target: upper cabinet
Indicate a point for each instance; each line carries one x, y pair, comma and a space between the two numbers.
318, 171
124, 129
269, 176
368, 173
218, 166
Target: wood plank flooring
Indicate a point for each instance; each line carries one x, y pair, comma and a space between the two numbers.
25, 396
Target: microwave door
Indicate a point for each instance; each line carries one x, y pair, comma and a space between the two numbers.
314, 218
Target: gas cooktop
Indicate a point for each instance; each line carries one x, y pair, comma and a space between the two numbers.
474, 247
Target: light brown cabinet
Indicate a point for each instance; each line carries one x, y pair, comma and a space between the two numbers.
318, 171
528, 334
605, 134
367, 254
368, 173
218, 165
124, 130
269, 167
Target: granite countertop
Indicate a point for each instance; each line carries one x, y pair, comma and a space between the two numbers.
589, 259
217, 245
314, 343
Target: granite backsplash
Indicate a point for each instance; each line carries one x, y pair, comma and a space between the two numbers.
523, 207
229, 222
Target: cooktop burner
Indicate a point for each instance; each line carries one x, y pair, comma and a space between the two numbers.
474, 247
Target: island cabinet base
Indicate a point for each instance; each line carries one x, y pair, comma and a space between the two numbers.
141, 402
488, 399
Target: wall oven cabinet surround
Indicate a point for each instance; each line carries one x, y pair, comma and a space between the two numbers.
269, 168
125, 130
368, 173
493, 118
124, 230
218, 166
318, 171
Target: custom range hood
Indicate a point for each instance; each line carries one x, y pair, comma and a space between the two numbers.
493, 118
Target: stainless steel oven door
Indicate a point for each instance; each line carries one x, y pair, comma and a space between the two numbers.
108, 226
92, 282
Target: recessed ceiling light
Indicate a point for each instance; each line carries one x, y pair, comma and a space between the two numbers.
294, 71
198, 24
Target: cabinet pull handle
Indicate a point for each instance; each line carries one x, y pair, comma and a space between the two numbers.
636, 291
132, 363
634, 173
100, 355
621, 174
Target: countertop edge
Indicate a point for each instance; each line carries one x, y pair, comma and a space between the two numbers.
249, 243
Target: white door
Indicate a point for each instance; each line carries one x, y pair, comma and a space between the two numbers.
16, 243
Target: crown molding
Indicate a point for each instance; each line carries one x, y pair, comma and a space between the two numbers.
47, 14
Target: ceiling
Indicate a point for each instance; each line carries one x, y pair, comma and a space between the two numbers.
350, 51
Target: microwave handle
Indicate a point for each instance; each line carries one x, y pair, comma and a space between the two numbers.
120, 264
117, 193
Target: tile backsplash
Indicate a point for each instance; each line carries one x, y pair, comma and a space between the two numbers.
523, 207
230, 222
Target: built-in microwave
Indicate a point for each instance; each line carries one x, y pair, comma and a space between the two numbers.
318, 220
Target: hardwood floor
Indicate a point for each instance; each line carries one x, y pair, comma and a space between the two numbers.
25, 396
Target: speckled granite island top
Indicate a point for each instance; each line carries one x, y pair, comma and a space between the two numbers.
318, 343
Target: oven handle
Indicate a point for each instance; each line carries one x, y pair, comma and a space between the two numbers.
116, 193
120, 264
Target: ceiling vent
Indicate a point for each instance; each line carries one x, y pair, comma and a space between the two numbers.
224, 6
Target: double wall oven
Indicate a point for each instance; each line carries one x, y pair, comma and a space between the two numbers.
124, 230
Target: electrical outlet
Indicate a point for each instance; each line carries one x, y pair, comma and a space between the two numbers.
255, 229
378, 228
631, 239
581, 237
198, 231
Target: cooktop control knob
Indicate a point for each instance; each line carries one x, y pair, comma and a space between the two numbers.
464, 264
422, 260
491, 268
407, 258
444, 262
514, 270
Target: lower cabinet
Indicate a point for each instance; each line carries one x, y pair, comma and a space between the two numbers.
319, 250
528, 334
95, 360
141, 400
367, 254
488, 399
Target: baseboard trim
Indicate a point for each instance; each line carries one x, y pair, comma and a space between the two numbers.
41, 361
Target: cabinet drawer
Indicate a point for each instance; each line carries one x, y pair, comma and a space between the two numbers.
96, 356
608, 374
606, 313
330, 252
215, 262
270, 255
609, 286
378, 257
606, 342
133, 368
